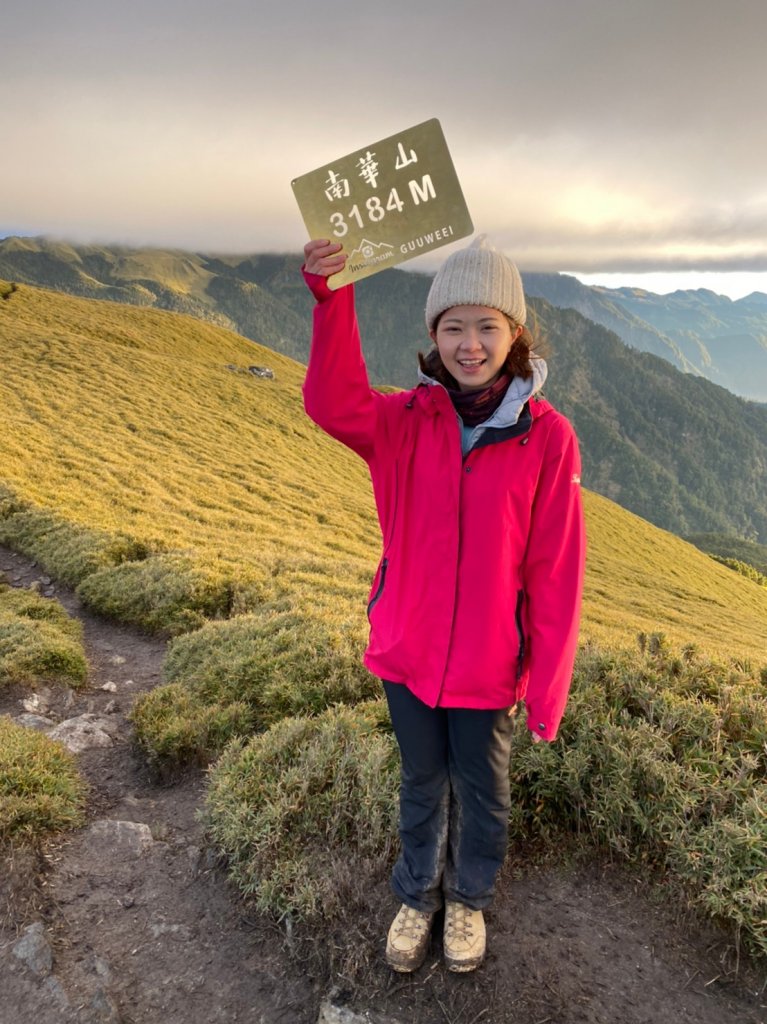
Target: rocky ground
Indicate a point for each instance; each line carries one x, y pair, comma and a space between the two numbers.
131, 920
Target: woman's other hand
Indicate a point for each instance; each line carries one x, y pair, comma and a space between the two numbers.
323, 257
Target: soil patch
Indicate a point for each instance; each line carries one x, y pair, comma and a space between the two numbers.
140, 926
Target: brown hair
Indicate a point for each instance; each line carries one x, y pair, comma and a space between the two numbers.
518, 362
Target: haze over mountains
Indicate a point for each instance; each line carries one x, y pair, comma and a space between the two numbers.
696, 330
671, 446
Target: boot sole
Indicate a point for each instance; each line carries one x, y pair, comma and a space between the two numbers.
463, 966
404, 967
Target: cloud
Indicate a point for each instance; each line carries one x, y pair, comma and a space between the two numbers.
586, 133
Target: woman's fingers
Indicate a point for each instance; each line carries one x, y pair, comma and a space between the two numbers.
323, 257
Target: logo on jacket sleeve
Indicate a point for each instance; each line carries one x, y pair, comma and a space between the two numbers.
576, 479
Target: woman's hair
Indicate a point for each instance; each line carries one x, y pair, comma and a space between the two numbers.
518, 362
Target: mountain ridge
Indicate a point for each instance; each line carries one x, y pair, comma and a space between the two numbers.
682, 452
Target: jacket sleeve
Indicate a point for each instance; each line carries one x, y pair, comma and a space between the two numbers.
554, 570
337, 394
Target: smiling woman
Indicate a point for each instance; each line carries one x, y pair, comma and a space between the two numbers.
474, 607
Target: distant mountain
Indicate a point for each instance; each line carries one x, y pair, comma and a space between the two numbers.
221, 291
696, 330
675, 448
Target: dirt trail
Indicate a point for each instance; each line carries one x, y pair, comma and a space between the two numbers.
143, 927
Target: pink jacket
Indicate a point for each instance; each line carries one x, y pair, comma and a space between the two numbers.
476, 599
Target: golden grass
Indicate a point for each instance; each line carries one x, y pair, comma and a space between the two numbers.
127, 421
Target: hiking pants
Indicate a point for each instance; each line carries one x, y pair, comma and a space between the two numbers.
454, 801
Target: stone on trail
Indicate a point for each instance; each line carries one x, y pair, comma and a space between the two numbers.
84, 732
332, 1014
118, 840
34, 951
35, 722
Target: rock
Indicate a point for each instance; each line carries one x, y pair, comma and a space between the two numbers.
83, 733
181, 932
332, 1014
105, 1007
109, 686
129, 682
110, 840
46, 581
117, 659
36, 722
33, 704
34, 951
55, 994
111, 707
261, 371
35, 586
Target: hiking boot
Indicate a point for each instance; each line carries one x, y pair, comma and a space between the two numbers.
408, 939
464, 939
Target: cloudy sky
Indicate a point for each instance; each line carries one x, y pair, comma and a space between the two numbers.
590, 136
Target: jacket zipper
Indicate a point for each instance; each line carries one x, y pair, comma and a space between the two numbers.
520, 632
379, 591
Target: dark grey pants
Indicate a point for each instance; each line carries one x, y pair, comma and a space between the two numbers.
454, 801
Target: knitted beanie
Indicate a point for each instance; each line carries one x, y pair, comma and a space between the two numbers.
478, 275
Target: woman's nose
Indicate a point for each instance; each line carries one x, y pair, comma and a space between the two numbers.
471, 341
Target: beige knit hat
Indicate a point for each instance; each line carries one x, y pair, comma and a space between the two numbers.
478, 275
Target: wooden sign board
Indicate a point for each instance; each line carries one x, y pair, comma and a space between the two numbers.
386, 203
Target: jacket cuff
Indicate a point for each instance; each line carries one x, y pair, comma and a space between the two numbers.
318, 285
543, 729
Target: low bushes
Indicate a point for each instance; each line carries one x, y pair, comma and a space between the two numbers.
306, 812
265, 667
68, 551
38, 641
662, 761
40, 788
171, 593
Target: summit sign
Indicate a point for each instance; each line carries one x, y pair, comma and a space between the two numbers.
386, 203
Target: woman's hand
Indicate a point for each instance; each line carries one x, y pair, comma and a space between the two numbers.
512, 713
323, 257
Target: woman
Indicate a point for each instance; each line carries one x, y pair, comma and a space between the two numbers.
475, 603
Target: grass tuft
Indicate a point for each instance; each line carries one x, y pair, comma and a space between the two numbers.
41, 790
39, 642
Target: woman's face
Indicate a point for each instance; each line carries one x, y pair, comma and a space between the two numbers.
473, 343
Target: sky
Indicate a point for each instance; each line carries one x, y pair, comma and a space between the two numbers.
598, 137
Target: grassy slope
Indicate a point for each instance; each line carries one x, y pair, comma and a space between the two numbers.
127, 420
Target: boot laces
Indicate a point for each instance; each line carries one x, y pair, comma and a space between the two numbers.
459, 919
412, 922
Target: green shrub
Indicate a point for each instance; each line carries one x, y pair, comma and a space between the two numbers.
171, 593
662, 763
306, 812
275, 665
39, 642
40, 788
175, 728
17, 602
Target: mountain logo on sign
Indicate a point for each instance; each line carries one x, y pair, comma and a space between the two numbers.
368, 253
